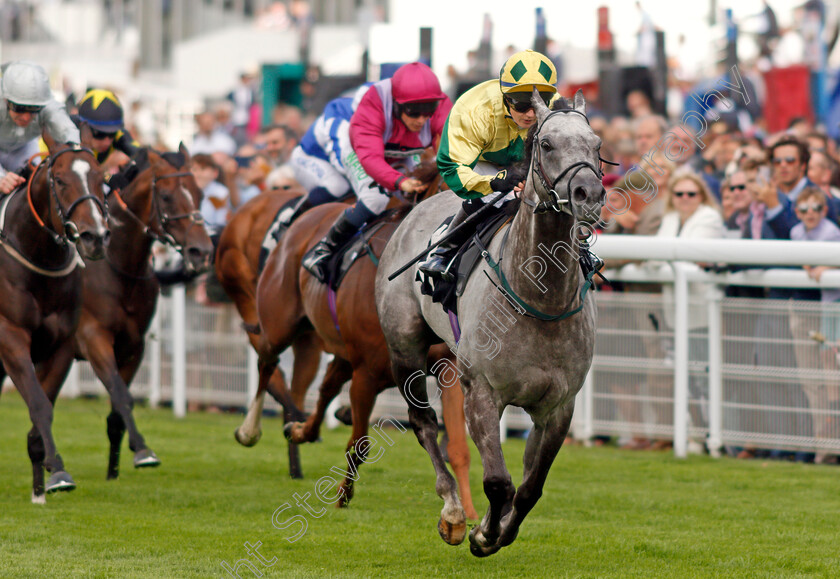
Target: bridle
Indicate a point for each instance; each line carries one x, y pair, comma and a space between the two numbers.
70, 231
162, 219
555, 202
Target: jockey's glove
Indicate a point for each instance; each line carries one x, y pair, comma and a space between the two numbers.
508, 178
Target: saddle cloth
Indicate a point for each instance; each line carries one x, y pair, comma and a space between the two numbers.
274, 233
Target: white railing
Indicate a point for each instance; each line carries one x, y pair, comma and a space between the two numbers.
711, 386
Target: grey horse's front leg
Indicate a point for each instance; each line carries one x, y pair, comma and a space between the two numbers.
411, 381
483, 419
542, 447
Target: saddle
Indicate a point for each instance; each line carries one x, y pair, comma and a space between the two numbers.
276, 230
468, 255
357, 247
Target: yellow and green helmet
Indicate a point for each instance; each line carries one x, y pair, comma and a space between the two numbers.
528, 69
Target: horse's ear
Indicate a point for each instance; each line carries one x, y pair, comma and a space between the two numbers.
539, 106
49, 141
141, 158
183, 150
580, 102
87, 135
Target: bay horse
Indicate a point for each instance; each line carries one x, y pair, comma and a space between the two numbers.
44, 229
529, 345
121, 291
290, 301
238, 269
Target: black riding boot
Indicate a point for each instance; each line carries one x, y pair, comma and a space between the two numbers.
317, 258
437, 262
292, 213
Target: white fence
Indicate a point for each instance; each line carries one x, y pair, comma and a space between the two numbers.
761, 373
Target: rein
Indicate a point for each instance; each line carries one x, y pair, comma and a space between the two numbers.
73, 260
161, 218
518, 303
557, 204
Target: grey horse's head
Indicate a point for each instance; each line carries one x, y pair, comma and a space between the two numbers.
566, 151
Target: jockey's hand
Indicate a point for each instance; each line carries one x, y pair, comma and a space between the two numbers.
509, 179
412, 185
10, 181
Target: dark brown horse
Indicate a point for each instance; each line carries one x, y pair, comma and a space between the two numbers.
289, 301
44, 228
121, 291
237, 268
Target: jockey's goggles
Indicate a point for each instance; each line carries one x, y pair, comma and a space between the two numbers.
99, 135
521, 101
16, 108
415, 110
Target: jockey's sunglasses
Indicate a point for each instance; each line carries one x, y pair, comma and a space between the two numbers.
416, 110
521, 102
99, 135
16, 108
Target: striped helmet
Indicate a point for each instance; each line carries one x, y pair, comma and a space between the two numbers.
101, 109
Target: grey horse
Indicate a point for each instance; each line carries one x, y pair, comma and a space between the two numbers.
527, 332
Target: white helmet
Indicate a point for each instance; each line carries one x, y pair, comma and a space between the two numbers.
25, 83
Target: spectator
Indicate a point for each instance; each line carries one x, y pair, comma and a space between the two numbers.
692, 212
243, 98
812, 210
736, 194
646, 133
790, 162
215, 206
278, 141
821, 170
633, 216
210, 139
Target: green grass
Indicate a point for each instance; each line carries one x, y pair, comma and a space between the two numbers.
604, 513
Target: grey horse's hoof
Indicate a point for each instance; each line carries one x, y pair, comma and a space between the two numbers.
478, 550
247, 440
145, 458
60, 481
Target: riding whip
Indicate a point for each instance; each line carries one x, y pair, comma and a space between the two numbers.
468, 221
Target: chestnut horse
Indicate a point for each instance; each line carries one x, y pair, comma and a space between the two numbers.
121, 291
289, 301
44, 228
237, 269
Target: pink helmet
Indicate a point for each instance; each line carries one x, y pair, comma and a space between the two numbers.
415, 82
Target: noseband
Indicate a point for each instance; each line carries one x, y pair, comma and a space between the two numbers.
69, 230
555, 202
